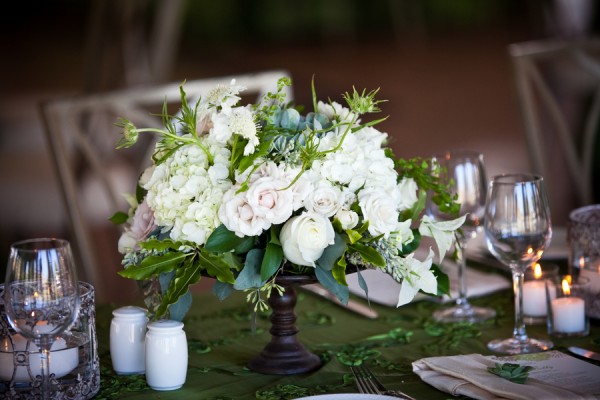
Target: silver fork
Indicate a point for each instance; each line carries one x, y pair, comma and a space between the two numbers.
367, 383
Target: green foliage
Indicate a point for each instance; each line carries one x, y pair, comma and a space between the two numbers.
154, 265
513, 372
119, 218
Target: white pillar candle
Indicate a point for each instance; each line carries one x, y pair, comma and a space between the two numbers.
63, 359
534, 298
568, 314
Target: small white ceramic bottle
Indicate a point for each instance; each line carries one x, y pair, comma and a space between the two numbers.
127, 336
166, 355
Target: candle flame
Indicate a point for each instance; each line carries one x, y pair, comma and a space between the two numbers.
537, 271
529, 250
581, 262
565, 287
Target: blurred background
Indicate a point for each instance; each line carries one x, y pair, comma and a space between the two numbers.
442, 65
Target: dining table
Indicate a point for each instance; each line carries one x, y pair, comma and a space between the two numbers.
224, 335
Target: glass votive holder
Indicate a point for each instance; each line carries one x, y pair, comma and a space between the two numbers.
535, 306
583, 235
74, 360
567, 314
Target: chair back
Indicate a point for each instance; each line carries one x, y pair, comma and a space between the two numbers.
558, 87
94, 177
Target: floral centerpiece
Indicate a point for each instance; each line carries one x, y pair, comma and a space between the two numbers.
246, 193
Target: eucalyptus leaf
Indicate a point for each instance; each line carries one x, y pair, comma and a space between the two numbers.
332, 253
179, 309
328, 281
222, 289
362, 283
250, 276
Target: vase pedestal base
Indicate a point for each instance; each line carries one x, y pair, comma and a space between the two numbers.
285, 355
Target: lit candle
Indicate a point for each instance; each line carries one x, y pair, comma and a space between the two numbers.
568, 313
63, 359
534, 295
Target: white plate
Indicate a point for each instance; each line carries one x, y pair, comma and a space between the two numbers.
349, 396
557, 250
383, 289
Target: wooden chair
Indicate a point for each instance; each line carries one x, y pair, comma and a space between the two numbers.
558, 87
94, 176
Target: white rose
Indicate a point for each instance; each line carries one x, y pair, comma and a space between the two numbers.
380, 210
269, 201
408, 193
348, 218
305, 237
325, 199
239, 217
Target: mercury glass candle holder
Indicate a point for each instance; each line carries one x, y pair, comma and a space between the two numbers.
75, 361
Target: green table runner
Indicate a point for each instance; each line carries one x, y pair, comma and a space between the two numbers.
221, 342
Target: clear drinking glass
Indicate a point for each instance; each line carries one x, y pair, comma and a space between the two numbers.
517, 230
464, 172
41, 296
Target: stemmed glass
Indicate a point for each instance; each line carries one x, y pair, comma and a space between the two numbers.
42, 296
517, 230
464, 172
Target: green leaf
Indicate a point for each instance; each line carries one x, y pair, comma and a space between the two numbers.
260, 151
250, 276
244, 245
160, 245
188, 275
119, 218
513, 372
332, 253
271, 260
216, 267
154, 265
363, 284
412, 246
339, 273
353, 236
223, 240
328, 281
222, 289
369, 254
140, 193
443, 281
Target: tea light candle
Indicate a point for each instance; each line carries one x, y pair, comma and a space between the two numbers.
568, 313
534, 295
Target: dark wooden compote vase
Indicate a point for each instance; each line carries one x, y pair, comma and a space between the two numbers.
285, 355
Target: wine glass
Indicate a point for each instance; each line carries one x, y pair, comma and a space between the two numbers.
42, 296
517, 229
464, 172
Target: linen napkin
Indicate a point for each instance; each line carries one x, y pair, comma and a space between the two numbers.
555, 376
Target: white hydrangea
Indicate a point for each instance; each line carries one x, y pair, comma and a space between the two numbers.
184, 192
